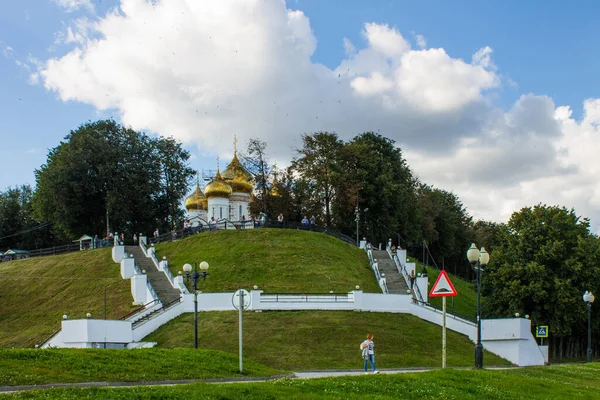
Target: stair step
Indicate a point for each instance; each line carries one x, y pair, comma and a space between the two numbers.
159, 281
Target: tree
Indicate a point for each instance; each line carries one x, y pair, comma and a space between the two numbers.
18, 228
445, 227
318, 161
256, 162
104, 174
545, 260
174, 178
386, 185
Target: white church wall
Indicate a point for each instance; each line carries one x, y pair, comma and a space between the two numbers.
239, 201
218, 208
198, 217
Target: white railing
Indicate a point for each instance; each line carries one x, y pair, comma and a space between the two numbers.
401, 267
166, 271
143, 246
382, 283
151, 290
307, 298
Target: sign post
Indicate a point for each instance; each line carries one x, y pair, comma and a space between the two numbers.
443, 288
541, 332
241, 301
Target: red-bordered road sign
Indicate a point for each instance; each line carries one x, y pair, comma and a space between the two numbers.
443, 287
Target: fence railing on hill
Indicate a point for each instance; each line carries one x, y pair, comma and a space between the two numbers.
307, 297
65, 248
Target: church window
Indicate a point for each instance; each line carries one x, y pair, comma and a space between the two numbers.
220, 212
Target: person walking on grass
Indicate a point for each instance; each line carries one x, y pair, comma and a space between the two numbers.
368, 353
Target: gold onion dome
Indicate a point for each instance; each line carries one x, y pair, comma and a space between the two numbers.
218, 188
275, 186
237, 177
197, 200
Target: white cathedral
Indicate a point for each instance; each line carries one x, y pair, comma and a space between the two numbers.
227, 197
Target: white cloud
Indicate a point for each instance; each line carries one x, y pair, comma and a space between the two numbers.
483, 57
79, 32
421, 41
385, 40
206, 70
74, 5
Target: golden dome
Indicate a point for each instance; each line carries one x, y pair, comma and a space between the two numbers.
218, 188
237, 177
197, 200
275, 186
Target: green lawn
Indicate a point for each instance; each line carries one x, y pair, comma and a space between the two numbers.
36, 366
573, 382
36, 292
303, 340
277, 260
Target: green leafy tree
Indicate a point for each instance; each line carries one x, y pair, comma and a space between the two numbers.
545, 260
318, 162
386, 185
256, 162
18, 227
445, 227
104, 175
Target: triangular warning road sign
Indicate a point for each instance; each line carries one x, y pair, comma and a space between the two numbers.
442, 286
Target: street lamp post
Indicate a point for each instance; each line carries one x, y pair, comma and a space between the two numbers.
195, 277
481, 259
588, 297
356, 212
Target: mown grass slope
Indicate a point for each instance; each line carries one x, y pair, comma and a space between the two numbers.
277, 260
309, 340
573, 382
31, 366
36, 292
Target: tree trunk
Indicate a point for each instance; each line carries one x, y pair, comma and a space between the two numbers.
560, 348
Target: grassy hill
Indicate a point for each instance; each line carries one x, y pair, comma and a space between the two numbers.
277, 260
303, 340
35, 366
576, 381
36, 292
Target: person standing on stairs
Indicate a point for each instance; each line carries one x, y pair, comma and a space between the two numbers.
412, 278
135, 239
367, 347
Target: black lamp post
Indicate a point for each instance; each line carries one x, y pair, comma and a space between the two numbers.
195, 277
478, 260
588, 297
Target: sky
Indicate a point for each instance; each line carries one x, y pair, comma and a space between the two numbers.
496, 101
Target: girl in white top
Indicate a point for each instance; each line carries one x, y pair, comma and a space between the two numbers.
369, 345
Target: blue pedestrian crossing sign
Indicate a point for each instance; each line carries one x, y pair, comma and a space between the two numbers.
541, 331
